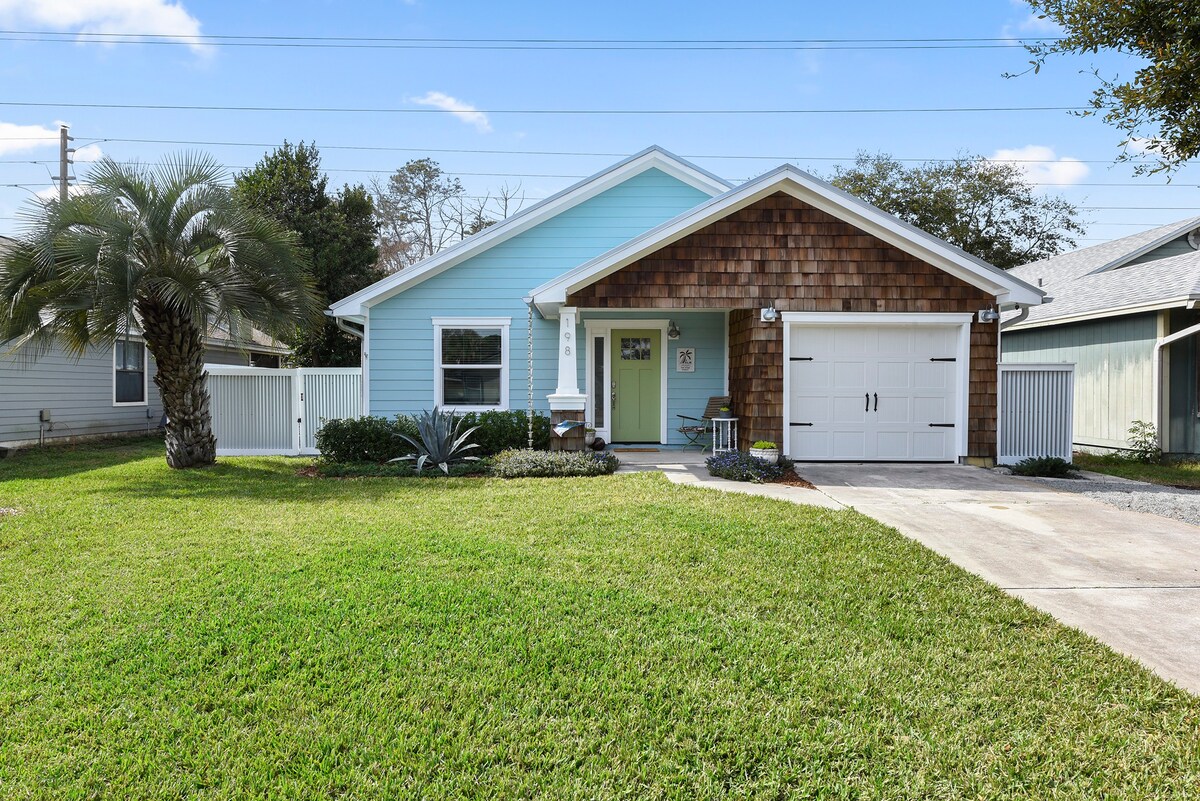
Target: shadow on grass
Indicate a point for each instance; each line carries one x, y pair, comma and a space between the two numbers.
61, 459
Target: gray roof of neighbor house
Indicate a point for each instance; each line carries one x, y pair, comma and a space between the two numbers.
1150, 269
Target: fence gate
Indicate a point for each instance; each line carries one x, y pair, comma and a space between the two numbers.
1036, 404
263, 411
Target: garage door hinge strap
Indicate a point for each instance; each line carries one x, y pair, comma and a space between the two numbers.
801, 359
943, 359
800, 424
941, 425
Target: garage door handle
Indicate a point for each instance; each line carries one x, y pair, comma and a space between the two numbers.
876, 401
868, 397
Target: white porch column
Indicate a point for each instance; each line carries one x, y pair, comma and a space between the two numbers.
567, 396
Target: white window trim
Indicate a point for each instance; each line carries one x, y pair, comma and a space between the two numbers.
145, 401
439, 323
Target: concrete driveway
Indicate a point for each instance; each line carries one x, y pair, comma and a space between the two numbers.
1131, 580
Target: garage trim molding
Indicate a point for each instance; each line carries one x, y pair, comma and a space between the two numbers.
962, 361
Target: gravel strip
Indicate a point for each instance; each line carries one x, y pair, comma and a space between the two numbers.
1136, 496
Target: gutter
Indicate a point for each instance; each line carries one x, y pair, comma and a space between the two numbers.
1156, 380
350, 328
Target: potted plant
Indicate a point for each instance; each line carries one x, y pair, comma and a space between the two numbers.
589, 436
766, 450
724, 413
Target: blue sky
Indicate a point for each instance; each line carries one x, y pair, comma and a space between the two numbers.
184, 72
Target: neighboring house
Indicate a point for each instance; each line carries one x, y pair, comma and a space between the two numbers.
105, 391
1116, 308
838, 330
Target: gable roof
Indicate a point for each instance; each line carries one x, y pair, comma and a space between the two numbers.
1105, 256
354, 306
819, 194
1099, 281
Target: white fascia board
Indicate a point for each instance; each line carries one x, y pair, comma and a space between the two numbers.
818, 194
1100, 314
650, 158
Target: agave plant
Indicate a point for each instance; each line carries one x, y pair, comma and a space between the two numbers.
441, 442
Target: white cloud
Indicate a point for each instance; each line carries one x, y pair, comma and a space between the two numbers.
20, 138
459, 108
158, 17
1041, 165
51, 192
87, 153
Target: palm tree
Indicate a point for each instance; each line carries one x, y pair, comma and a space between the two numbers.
168, 252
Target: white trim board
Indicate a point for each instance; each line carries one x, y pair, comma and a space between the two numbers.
817, 193
354, 306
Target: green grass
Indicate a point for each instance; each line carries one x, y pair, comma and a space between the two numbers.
241, 632
1174, 474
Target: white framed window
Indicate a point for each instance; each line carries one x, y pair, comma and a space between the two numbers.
129, 373
471, 363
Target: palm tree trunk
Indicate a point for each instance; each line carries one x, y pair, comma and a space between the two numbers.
178, 349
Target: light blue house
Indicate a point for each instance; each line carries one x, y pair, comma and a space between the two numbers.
1127, 314
637, 294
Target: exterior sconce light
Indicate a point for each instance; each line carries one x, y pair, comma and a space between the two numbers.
672, 330
768, 315
988, 315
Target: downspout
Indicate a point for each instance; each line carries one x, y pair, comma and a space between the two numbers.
358, 331
1020, 318
1156, 376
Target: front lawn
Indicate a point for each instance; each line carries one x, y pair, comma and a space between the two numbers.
244, 632
1172, 474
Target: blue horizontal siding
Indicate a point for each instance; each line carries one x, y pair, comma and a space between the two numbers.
493, 283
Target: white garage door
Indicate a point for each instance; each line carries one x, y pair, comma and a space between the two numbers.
861, 393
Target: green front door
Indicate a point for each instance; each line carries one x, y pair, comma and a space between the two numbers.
637, 386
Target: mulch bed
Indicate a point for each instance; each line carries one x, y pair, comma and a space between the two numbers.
790, 479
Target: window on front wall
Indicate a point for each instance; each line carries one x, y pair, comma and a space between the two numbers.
129, 372
472, 366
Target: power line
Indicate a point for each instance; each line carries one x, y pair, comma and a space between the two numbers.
624, 45
543, 111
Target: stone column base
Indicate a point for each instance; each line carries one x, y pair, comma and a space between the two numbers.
573, 441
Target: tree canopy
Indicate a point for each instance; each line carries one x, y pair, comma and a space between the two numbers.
421, 209
986, 208
168, 254
1157, 109
338, 232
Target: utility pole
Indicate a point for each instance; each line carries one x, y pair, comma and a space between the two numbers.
65, 163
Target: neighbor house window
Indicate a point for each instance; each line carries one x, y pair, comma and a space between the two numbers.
471, 363
129, 373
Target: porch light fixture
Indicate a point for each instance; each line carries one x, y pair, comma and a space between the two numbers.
769, 314
672, 330
988, 315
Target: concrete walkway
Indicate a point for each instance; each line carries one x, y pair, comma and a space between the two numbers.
1131, 580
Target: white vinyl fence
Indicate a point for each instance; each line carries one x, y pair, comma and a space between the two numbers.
260, 410
1036, 403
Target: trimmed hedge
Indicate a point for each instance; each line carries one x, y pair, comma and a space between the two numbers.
553, 464
373, 439
741, 466
363, 439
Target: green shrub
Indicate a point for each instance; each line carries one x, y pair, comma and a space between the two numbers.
502, 431
1044, 466
396, 470
764, 443
1143, 441
741, 466
361, 439
553, 464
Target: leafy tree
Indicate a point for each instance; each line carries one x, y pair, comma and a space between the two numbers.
986, 208
338, 232
1157, 108
169, 252
421, 210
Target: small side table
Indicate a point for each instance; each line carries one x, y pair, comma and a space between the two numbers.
724, 435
